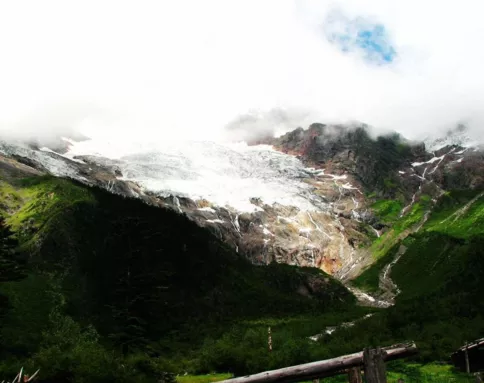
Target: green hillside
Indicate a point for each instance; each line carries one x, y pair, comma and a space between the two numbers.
439, 276
112, 287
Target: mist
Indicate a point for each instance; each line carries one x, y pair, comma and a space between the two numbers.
161, 71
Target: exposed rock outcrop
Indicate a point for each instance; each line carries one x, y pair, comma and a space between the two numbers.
351, 149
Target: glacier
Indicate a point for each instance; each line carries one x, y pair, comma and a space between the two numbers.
225, 174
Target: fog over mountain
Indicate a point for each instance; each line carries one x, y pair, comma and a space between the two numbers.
163, 70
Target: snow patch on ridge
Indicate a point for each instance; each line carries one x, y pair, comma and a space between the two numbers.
431, 161
460, 135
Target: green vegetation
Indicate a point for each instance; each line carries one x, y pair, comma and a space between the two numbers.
369, 279
417, 373
409, 372
10, 199
98, 288
427, 373
115, 289
387, 210
243, 348
440, 278
458, 215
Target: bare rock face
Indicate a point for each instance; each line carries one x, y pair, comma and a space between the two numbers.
351, 149
328, 239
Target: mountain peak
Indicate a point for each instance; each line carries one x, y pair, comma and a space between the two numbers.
459, 136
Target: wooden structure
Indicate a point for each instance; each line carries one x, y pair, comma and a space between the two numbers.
470, 357
372, 361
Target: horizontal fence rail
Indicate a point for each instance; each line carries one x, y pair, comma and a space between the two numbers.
329, 367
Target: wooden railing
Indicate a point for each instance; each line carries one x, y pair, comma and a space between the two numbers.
371, 361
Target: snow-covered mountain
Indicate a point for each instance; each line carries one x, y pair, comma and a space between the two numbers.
303, 198
267, 205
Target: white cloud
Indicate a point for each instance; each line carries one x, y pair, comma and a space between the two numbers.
186, 68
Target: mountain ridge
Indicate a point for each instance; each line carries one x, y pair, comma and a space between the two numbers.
345, 172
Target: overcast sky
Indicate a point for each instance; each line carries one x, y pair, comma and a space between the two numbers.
186, 68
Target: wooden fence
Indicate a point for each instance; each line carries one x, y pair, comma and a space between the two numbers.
370, 361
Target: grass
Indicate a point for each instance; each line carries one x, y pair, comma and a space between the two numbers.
426, 373
10, 199
384, 248
416, 373
29, 205
393, 378
306, 325
45, 196
387, 210
459, 214
441, 249
409, 372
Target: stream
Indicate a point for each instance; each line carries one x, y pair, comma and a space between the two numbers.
386, 299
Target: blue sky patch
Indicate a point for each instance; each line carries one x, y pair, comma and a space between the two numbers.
360, 35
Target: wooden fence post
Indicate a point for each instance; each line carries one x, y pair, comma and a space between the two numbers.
269, 341
466, 354
373, 360
354, 375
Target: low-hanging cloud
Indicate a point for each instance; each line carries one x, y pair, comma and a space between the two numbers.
185, 69
256, 126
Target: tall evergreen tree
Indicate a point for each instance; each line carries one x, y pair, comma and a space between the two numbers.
137, 283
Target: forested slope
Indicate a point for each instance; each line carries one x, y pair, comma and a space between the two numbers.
104, 278
439, 274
